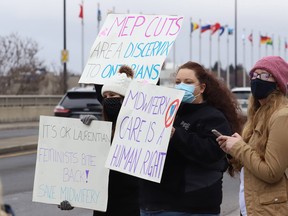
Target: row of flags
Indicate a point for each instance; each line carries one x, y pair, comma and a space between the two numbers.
81, 13
194, 26
214, 28
217, 27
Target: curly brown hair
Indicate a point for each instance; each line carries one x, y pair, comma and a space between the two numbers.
128, 70
218, 95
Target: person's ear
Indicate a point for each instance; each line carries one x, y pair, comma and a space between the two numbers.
202, 87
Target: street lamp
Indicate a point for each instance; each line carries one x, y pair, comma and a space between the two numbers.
64, 48
236, 79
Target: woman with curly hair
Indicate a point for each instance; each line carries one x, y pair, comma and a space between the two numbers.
191, 183
262, 151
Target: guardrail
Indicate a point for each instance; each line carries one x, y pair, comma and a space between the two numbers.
23, 108
29, 100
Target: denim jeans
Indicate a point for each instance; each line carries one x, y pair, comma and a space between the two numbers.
171, 213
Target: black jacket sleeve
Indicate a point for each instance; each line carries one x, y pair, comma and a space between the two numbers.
198, 143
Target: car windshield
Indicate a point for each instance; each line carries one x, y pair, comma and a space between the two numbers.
80, 99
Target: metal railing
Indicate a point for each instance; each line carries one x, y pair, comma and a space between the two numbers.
29, 100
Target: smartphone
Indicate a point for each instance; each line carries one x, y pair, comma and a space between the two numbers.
216, 133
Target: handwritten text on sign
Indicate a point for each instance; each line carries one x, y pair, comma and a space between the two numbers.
70, 162
140, 41
143, 130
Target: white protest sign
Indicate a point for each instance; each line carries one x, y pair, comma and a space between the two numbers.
71, 162
139, 41
143, 130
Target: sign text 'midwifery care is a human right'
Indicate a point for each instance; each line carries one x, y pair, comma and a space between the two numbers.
143, 130
139, 41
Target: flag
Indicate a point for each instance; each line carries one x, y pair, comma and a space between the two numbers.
99, 17
230, 31
250, 38
194, 26
222, 29
215, 27
269, 41
205, 28
81, 11
264, 39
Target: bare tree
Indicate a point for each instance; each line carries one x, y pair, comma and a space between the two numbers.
19, 62
16, 52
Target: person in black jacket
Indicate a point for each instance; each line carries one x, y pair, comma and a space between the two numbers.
122, 188
191, 183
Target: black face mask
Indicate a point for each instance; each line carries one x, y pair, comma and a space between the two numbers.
261, 89
111, 107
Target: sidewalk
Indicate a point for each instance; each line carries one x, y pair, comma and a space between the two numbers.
21, 143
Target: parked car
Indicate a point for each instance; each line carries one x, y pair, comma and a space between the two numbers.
242, 94
79, 101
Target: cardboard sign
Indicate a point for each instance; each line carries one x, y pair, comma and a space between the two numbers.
143, 130
139, 41
71, 162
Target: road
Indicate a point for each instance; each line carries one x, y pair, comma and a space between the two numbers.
17, 174
4, 134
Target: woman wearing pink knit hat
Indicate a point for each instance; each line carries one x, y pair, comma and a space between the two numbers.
262, 151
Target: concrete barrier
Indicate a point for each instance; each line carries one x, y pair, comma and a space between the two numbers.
24, 114
25, 108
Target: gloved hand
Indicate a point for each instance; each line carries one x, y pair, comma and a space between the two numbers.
87, 119
8, 209
65, 205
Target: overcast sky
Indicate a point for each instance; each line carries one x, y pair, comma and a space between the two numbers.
42, 20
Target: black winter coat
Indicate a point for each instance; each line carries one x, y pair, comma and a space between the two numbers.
194, 166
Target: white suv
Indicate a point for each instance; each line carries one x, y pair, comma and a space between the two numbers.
242, 94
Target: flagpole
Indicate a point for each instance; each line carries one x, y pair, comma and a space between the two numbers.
236, 78
98, 18
64, 48
273, 44
244, 62
190, 47
266, 47
228, 66
279, 45
210, 48
218, 65
174, 56
252, 49
259, 51
200, 42
82, 34
285, 48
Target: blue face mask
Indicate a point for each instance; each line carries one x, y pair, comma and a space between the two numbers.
189, 96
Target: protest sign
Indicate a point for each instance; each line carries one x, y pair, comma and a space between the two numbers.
71, 162
139, 41
143, 130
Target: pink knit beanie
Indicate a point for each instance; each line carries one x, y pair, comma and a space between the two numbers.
277, 67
